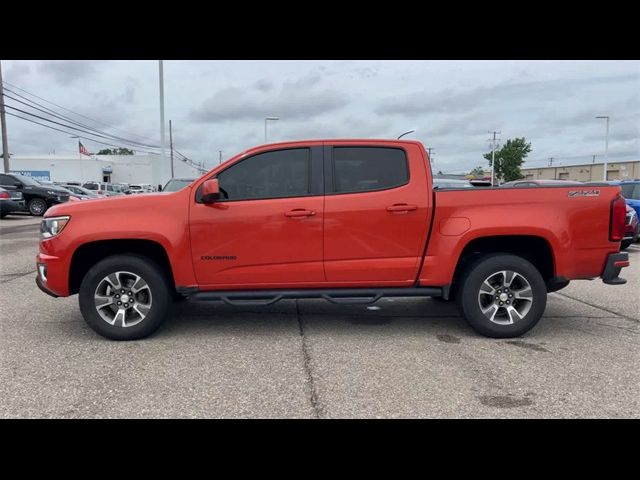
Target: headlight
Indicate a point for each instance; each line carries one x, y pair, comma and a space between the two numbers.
53, 192
50, 227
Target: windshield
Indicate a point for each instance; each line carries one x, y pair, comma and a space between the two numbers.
27, 180
175, 184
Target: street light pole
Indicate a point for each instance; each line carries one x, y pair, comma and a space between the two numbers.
162, 139
493, 156
606, 145
3, 121
265, 126
171, 147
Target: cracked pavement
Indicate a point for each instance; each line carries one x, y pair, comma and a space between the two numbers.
312, 359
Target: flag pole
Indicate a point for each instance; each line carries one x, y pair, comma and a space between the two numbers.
81, 169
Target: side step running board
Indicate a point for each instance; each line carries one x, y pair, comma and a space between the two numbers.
350, 296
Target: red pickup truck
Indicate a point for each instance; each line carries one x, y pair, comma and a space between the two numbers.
349, 221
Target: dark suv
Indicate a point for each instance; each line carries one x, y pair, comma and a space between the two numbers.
37, 197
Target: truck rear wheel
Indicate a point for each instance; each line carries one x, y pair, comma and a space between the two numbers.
502, 296
125, 297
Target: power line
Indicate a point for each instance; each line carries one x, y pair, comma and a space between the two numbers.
51, 112
61, 124
87, 129
75, 113
80, 136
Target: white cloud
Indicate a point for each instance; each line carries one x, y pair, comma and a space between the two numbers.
221, 105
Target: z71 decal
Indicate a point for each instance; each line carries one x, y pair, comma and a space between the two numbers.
584, 193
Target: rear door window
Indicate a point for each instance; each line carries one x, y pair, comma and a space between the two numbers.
364, 169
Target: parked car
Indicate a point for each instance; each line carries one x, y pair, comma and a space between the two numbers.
122, 188
631, 193
480, 183
344, 220
451, 183
103, 189
139, 188
38, 198
10, 201
176, 184
82, 193
631, 229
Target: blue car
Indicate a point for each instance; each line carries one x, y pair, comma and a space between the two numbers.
631, 193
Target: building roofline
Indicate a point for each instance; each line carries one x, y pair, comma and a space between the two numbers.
580, 164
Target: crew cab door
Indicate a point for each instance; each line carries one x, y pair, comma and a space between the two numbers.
266, 230
377, 213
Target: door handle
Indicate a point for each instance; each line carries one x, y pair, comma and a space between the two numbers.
401, 207
300, 212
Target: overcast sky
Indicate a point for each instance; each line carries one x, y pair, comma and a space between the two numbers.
221, 105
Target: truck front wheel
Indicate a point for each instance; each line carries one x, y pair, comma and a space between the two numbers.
125, 297
502, 296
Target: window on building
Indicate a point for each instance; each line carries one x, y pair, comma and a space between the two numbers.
361, 169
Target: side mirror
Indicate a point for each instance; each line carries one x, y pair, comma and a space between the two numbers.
210, 191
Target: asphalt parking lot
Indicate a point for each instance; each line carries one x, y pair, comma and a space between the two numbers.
313, 359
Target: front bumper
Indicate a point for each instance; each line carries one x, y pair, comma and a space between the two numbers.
615, 263
44, 289
52, 275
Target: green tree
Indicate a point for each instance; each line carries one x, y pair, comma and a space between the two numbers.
116, 151
477, 172
509, 159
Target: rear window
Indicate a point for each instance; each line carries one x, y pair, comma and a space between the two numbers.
362, 169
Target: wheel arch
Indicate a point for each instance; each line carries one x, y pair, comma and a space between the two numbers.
533, 248
88, 254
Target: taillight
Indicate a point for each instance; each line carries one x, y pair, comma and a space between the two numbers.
618, 214
4, 195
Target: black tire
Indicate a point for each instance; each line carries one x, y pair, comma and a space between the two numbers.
625, 244
150, 271
37, 207
468, 299
3, 214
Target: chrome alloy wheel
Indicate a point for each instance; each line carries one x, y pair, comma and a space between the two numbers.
505, 297
123, 299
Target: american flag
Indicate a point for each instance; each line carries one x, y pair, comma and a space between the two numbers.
83, 150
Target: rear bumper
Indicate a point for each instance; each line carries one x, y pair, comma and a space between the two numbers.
7, 206
615, 263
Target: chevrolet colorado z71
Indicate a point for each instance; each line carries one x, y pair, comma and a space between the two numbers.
349, 221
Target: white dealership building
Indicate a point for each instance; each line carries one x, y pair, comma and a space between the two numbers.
131, 169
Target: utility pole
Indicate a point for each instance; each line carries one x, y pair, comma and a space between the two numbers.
3, 120
161, 76
171, 147
550, 161
606, 145
429, 150
594, 159
220, 152
493, 156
